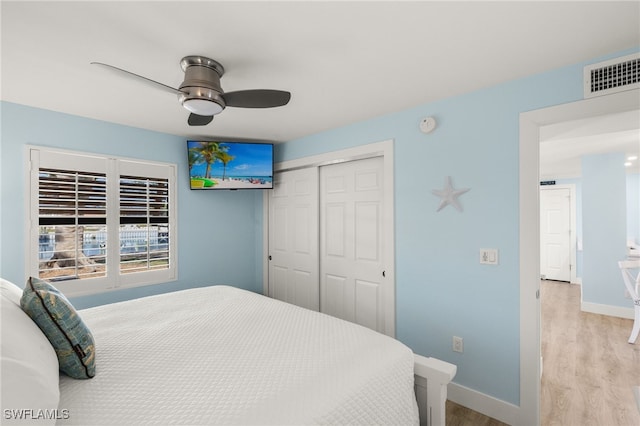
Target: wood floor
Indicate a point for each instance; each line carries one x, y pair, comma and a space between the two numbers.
457, 415
589, 370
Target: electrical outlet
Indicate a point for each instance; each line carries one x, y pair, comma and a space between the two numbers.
458, 344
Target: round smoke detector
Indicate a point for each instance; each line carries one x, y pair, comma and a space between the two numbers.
427, 124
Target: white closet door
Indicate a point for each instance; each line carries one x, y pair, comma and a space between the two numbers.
293, 238
351, 241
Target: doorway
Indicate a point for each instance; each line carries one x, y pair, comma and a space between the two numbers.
558, 233
529, 235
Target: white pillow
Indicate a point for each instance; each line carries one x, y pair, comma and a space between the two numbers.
12, 291
29, 368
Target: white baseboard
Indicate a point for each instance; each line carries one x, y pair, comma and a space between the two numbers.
484, 404
613, 311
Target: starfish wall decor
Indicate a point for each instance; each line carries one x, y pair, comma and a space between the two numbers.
449, 195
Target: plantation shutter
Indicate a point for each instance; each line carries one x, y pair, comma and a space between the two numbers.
99, 217
71, 205
144, 223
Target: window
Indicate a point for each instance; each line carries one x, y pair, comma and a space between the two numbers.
100, 223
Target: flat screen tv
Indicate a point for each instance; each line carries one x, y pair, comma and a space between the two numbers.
217, 165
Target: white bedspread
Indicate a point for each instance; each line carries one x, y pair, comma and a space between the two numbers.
220, 355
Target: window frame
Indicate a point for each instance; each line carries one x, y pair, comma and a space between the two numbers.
114, 167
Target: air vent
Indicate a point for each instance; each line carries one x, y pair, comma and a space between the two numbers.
612, 76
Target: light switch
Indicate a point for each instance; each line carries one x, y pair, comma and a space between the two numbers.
488, 256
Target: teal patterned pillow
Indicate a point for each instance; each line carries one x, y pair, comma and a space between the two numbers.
59, 321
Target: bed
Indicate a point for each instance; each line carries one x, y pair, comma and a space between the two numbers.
222, 355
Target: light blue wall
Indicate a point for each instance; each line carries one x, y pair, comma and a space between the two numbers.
632, 209
604, 211
219, 234
441, 289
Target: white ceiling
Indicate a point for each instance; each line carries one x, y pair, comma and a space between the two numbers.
562, 145
342, 61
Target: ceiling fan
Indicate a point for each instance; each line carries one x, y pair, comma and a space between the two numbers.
202, 95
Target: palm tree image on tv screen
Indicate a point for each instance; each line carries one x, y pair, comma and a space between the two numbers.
230, 165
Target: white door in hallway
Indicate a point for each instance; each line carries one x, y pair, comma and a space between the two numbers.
293, 238
352, 277
555, 234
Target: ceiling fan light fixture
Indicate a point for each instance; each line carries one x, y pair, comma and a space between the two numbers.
206, 107
201, 94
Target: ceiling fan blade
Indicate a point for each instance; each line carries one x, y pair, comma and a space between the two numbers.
199, 120
139, 77
259, 98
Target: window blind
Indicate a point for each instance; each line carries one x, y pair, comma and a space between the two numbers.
144, 223
72, 210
